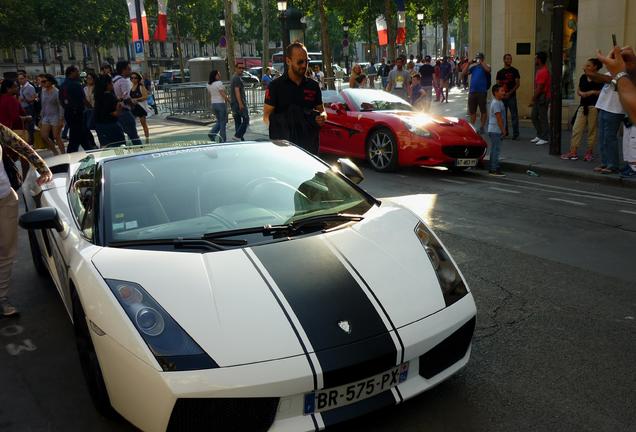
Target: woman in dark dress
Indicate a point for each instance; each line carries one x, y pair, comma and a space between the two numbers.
107, 110
139, 96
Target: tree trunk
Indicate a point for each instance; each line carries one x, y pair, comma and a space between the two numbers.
98, 56
180, 49
229, 36
43, 56
265, 11
390, 26
326, 47
445, 28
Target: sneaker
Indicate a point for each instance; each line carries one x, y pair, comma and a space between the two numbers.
497, 173
535, 139
515, 137
589, 157
609, 171
7, 309
598, 169
569, 156
628, 173
541, 142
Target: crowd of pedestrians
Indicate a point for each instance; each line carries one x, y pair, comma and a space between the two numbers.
48, 110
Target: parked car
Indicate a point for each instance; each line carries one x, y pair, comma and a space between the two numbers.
388, 132
244, 286
249, 79
173, 76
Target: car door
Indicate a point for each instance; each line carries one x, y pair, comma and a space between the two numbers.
334, 134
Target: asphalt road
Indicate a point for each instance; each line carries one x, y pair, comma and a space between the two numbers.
550, 263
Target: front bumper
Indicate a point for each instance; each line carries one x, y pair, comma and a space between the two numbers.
416, 150
154, 400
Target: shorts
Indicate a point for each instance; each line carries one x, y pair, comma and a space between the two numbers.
477, 99
51, 120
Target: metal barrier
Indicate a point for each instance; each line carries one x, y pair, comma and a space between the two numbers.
193, 98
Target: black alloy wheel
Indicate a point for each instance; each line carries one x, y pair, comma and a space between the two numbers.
89, 361
382, 150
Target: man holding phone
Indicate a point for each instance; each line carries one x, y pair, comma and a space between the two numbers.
293, 103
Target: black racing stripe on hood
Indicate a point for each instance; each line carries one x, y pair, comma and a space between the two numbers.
321, 293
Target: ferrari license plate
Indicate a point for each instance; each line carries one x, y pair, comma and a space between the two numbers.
466, 162
347, 394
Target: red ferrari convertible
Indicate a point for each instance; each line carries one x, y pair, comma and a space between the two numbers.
388, 132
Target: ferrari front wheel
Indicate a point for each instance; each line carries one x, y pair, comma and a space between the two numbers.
89, 361
382, 150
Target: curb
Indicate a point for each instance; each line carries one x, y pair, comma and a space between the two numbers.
190, 120
522, 167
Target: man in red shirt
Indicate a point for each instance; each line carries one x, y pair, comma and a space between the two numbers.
541, 99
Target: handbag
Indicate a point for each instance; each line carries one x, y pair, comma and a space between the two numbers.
13, 173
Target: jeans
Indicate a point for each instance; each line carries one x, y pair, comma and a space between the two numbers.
78, 134
511, 104
608, 124
220, 112
241, 120
540, 117
385, 81
109, 133
495, 149
129, 126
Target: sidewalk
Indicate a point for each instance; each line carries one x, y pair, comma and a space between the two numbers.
521, 155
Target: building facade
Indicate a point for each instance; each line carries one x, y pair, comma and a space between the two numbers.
523, 27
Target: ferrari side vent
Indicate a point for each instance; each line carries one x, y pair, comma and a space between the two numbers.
223, 414
463, 151
448, 352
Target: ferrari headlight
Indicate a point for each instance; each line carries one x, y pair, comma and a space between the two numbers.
451, 282
417, 130
173, 348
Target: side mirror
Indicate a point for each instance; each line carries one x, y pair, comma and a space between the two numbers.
350, 170
42, 218
337, 107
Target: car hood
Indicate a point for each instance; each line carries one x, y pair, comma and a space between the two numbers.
451, 127
287, 298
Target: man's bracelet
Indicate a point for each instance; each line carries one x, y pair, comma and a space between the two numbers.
617, 78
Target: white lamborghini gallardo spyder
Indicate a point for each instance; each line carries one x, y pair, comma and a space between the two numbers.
244, 286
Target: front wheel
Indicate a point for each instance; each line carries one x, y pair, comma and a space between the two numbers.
382, 150
36, 255
89, 361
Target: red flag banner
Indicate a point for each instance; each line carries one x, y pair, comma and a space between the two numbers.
135, 21
400, 37
161, 32
383, 35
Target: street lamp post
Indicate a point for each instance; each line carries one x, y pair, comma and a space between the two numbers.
345, 45
282, 7
420, 26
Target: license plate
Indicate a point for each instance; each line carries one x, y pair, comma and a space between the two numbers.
347, 394
466, 162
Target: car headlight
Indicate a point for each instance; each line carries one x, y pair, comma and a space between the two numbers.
451, 282
417, 130
173, 348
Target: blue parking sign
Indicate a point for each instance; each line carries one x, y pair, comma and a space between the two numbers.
139, 47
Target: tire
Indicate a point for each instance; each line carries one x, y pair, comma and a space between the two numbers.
382, 150
36, 255
89, 361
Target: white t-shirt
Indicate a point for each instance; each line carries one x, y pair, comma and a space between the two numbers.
608, 100
215, 94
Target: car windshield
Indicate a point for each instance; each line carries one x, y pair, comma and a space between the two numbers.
209, 189
377, 100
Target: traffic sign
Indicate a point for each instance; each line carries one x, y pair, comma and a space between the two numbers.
139, 49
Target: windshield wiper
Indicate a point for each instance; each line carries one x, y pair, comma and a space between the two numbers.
288, 228
181, 243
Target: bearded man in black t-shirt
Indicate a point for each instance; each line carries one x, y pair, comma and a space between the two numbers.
293, 103
509, 78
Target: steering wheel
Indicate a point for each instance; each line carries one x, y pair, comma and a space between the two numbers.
269, 190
